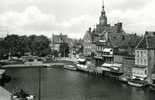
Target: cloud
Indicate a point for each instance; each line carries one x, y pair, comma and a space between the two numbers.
135, 20
126, 4
33, 20
73, 17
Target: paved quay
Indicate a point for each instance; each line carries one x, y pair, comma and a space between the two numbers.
22, 65
4, 94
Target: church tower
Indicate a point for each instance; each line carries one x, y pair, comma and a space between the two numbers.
103, 17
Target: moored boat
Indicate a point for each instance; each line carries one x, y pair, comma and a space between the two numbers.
137, 83
123, 79
81, 65
22, 95
70, 67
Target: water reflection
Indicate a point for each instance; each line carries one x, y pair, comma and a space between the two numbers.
60, 84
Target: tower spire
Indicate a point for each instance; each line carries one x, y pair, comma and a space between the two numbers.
103, 17
103, 11
102, 3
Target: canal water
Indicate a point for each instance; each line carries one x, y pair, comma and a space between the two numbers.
61, 84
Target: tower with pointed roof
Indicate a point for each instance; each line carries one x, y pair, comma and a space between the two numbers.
103, 17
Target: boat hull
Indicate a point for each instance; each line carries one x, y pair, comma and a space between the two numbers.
123, 79
135, 84
68, 68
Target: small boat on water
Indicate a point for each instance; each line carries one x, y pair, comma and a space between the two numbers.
70, 67
4, 78
82, 65
123, 79
22, 95
137, 83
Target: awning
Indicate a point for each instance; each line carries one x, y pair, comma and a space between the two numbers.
112, 65
106, 65
81, 60
102, 40
107, 50
105, 69
117, 65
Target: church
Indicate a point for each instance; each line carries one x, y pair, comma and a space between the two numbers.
103, 36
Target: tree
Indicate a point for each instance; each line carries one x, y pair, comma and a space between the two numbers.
14, 45
39, 45
2, 50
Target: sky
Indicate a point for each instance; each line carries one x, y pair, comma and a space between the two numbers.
73, 17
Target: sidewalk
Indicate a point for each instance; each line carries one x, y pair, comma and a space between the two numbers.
4, 94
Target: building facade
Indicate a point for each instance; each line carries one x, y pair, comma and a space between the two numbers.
57, 40
144, 58
88, 45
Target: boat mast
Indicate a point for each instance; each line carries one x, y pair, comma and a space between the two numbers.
39, 97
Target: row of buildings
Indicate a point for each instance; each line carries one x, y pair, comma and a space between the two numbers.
61, 41
114, 50
117, 51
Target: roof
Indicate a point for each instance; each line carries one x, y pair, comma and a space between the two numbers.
87, 36
118, 39
148, 42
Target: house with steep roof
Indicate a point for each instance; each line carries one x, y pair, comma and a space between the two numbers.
88, 45
144, 58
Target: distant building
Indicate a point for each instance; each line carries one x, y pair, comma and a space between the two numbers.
57, 40
88, 45
110, 44
145, 58
128, 63
103, 36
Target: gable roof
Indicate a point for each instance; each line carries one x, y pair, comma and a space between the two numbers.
118, 39
148, 42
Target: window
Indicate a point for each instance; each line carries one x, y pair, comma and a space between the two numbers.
141, 61
145, 72
137, 61
137, 53
144, 61
141, 53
